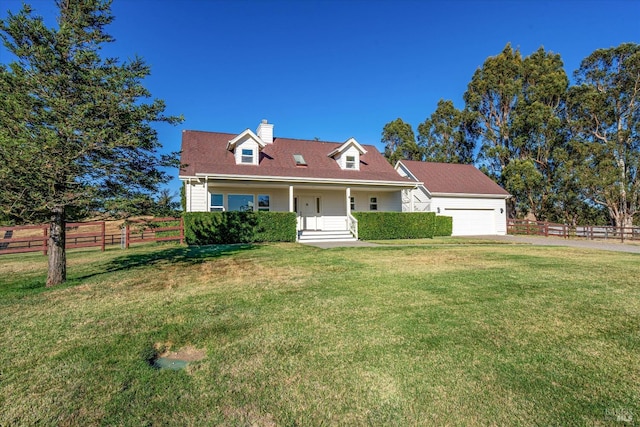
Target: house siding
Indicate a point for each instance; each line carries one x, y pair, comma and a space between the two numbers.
387, 201
197, 197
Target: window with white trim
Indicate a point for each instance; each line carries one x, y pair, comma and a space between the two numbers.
247, 155
263, 202
216, 203
352, 203
373, 204
240, 202
350, 162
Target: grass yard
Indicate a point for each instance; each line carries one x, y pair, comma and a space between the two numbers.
464, 334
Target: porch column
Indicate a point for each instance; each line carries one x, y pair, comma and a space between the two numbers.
206, 194
411, 198
291, 198
348, 192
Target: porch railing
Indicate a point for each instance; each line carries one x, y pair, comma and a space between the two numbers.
352, 225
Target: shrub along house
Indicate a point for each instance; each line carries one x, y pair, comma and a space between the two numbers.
475, 202
323, 182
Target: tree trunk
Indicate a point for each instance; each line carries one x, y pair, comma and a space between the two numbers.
57, 273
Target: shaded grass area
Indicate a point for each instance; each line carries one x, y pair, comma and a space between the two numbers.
294, 335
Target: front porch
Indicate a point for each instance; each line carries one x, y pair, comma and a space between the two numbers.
323, 211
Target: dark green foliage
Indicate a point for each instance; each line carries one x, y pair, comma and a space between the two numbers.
164, 204
276, 227
207, 228
76, 134
400, 142
395, 225
604, 109
446, 136
443, 226
183, 197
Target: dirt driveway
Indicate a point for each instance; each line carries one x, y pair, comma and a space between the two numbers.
604, 245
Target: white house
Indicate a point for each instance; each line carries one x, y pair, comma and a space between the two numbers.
323, 182
476, 203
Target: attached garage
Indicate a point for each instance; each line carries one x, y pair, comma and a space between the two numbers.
476, 203
472, 222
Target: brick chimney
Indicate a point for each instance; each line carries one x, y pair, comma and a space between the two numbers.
265, 132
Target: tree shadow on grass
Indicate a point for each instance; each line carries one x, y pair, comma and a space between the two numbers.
190, 255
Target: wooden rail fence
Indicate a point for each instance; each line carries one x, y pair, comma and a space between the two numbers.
34, 238
592, 232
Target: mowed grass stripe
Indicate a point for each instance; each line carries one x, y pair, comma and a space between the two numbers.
453, 334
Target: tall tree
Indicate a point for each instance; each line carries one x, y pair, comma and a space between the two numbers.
75, 129
492, 95
400, 142
444, 135
605, 113
165, 204
537, 129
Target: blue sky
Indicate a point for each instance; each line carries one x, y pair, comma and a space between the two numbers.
336, 69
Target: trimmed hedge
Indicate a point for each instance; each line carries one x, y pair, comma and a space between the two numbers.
208, 228
276, 227
443, 226
395, 225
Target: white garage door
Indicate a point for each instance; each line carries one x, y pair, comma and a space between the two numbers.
472, 222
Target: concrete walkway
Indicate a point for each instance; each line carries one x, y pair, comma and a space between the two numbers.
603, 245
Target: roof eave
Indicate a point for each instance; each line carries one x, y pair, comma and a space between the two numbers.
303, 180
470, 195
347, 143
232, 143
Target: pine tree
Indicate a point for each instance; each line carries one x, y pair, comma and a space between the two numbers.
75, 130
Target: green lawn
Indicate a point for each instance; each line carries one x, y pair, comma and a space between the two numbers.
464, 334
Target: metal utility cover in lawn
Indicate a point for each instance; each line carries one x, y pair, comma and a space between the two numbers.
168, 363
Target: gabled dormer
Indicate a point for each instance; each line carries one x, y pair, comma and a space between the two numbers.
246, 148
348, 155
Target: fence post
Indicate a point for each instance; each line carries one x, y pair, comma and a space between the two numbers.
103, 235
126, 235
45, 239
181, 230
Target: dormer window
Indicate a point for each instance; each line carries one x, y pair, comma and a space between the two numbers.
350, 162
348, 155
246, 148
247, 156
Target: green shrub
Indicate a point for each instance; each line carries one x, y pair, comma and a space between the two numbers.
276, 227
443, 226
395, 225
207, 228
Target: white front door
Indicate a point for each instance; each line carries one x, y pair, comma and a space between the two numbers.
309, 210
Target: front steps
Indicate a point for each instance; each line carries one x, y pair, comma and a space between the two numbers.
307, 236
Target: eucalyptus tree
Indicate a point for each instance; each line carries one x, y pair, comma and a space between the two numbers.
400, 142
76, 129
444, 136
605, 115
492, 96
538, 129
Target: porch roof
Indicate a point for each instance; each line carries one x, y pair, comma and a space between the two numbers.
205, 154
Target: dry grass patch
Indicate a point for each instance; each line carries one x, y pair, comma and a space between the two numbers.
447, 335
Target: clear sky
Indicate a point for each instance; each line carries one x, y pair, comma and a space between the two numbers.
336, 69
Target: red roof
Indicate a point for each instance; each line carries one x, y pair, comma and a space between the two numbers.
206, 153
453, 178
